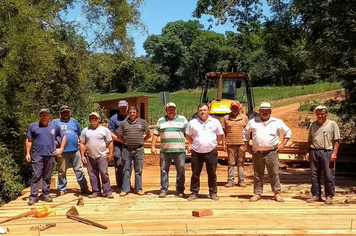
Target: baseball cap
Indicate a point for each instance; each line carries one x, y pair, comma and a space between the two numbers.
94, 114
321, 107
171, 104
265, 105
123, 103
64, 108
45, 110
235, 104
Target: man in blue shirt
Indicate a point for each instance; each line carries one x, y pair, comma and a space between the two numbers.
43, 135
114, 124
71, 154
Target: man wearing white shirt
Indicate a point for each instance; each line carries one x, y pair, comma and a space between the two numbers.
264, 131
203, 134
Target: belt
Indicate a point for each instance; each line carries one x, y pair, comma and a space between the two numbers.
132, 148
267, 151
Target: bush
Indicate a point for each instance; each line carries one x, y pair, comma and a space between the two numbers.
10, 177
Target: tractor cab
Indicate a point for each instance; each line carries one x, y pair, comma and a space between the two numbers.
231, 87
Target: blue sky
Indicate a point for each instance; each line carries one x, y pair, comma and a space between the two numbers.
155, 14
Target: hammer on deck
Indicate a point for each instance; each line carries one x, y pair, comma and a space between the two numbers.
74, 215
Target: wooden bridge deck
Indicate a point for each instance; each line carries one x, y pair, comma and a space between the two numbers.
232, 214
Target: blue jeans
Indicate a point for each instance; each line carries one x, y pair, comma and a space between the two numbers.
179, 162
73, 158
269, 160
129, 156
118, 163
42, 167
320, 162
98, 168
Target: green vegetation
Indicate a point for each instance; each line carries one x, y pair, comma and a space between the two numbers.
188, 100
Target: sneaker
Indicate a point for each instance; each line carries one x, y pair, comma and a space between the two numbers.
47, 199
314, 199
162, 194
32, 202
192, 197
61, 193
278, 198
329, 200
122, 194
243, 185
214, 197
229, 184
255, 198
94, 195
140, 192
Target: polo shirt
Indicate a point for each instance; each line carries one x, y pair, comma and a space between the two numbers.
44, 137
132, 132
204, 134
323, 136
234, 128
172, 133
265, 135
72, 130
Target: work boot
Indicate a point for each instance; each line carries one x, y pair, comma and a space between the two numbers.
192, 197
162, 195
214, 197
255, 198
229, 184
278, 197
61, 193
180, 194
314, 199
32, 202
243, 185
122, 194
94, 195
329, 200
140, 192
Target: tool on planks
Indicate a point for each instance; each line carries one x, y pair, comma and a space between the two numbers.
79, 200
43, 227
74, 215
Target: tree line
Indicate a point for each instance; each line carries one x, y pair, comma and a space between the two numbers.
45, 62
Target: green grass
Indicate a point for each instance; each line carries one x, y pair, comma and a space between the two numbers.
187, 101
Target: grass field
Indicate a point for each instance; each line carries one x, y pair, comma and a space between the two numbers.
188, 100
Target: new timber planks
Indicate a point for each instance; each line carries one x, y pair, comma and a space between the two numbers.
232, 214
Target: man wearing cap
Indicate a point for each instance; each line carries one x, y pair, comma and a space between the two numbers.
264, 131
204, 134
323, 143
171, 129
94, 142
43, 135
71, 154
233, 125
133, 132
114, 124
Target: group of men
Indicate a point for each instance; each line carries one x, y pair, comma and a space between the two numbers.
122, 142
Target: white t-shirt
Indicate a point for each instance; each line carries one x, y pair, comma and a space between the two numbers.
204, 134
95, 141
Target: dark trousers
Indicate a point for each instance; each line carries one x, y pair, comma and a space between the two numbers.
42, 167
118, 163
99, 168
320, 162
211, 162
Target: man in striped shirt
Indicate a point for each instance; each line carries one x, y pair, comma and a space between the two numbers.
171, 129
